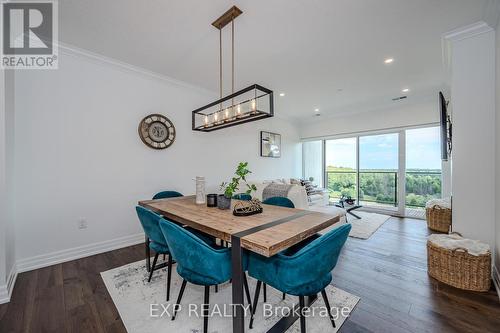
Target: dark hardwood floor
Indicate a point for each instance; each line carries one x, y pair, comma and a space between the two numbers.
388, 271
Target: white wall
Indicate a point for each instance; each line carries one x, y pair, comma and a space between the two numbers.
78, 154
3, 186
473, 107
497, 231
402, 114
7, 236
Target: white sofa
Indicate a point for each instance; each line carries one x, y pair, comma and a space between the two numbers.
297, 194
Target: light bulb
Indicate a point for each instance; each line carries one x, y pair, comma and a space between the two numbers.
253, 104
216, 115
238, 109
206, 120
227, 114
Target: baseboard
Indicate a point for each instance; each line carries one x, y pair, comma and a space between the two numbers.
6, 290
496, 280
58, 257
4, 294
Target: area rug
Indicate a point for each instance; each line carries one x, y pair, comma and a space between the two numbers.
143, 308
366, 226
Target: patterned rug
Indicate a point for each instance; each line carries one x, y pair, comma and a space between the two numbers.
143, 308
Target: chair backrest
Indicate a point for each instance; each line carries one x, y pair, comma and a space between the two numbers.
150, 223
197, 261
279, 201
321, 255
167, 194
242, 196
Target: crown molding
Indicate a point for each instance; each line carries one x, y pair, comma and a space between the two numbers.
467, 31
74, 51
456, 35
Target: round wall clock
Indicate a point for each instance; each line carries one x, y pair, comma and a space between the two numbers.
157, 131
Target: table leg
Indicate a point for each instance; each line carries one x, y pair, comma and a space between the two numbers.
237, 285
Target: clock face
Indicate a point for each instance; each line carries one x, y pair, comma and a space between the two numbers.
157, 131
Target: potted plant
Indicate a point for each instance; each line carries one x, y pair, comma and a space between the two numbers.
229, 189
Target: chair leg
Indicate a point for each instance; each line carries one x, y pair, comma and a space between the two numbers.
255, 300
183, 286
169, 275
301, 315
247, 291
284, 295
153, 268
327, 304
216, 288
206, 303
265, 293
148, 254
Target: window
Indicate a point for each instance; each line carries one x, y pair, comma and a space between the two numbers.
312, 155
379, 170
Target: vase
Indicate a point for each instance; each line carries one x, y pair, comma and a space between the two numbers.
200, 190
223, 202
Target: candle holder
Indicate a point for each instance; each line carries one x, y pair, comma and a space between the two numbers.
211, 200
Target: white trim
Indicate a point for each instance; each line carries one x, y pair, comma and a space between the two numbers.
459, 34
58, 257
496, 280
6, 290
467, 31
77, 52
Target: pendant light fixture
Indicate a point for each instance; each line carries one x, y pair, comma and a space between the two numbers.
249, 104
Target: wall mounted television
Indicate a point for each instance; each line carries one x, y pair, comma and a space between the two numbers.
446, 128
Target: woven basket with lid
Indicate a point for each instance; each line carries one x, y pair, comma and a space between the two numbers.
458, 268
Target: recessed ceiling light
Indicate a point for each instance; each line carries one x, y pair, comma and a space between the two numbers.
282, 94
316, 110
389, 61
405, 90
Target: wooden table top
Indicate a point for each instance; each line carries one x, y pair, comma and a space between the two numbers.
293, 226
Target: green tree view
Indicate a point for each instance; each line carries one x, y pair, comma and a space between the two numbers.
380, 186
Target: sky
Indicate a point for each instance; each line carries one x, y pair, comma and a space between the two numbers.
381, 151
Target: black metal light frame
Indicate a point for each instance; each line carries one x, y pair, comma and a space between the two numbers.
257, 114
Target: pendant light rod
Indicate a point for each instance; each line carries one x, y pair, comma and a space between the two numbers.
220, 62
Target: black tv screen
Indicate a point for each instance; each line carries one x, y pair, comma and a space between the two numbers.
443, 114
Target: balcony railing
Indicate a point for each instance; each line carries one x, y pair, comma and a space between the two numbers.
381, 187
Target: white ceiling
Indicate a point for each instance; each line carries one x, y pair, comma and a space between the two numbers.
307, 49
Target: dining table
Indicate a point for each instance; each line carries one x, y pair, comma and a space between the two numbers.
267, 233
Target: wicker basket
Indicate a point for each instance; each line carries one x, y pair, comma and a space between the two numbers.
458, 268
438, 218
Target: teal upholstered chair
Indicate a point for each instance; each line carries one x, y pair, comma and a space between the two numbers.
279, 201
242, 196
167, 194
157, 242
283, 202
159, 195
199, 263
303, 270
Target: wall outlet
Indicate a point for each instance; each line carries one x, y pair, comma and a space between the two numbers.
82, 223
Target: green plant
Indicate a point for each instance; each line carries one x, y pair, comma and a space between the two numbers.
240, 174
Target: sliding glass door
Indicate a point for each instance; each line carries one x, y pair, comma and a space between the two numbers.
423, 169
396, 172
341, 165
379, 170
